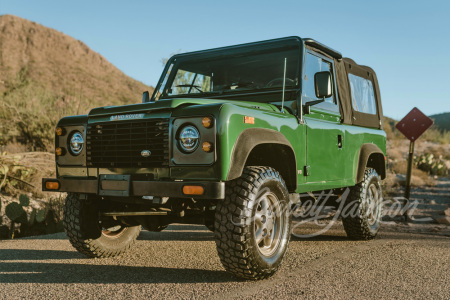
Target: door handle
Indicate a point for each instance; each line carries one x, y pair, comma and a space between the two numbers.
339, 141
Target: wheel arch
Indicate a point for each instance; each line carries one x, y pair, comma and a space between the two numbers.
370, 155
264, 147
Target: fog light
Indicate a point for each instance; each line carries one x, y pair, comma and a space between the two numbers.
193, 190
207, 147
60, 151
60, 131
207, 122
52, 185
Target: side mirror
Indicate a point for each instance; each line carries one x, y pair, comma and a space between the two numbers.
322, 85
145, 97
323, 89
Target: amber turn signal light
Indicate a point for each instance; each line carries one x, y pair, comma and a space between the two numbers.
249, 120
60, 151
193, 190
52, 185
207, 122
207, 147
60, 131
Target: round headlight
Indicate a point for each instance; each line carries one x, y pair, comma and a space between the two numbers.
189, 138
76, 143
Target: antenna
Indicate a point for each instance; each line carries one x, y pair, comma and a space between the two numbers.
284, 85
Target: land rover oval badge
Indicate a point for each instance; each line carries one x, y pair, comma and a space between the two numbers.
145, 153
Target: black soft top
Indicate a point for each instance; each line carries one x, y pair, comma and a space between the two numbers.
345, 66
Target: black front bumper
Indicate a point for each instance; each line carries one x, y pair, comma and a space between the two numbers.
121, 185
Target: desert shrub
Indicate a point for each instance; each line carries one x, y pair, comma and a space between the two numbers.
435, 135
431, 164
29, 112
13, 174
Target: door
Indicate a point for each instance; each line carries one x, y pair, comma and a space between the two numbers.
325, 136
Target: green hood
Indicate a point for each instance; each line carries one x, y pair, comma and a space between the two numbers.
171, 104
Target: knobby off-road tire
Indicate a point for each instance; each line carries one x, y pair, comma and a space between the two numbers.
253, 224
363, 210
86, 234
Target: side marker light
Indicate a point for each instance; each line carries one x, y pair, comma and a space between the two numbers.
249, 120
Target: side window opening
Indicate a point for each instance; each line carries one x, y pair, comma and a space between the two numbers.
363, 96
314, 64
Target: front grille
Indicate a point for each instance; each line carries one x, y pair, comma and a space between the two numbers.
119, 144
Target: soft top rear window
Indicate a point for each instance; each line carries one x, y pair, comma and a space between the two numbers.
362, 93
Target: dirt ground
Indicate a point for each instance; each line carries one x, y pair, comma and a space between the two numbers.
430, 211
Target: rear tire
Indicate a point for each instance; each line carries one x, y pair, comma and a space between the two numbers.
363, 210
85, 233
253, 224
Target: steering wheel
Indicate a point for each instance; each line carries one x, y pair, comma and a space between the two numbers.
279, 82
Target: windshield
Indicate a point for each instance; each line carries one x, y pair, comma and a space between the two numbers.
245, 72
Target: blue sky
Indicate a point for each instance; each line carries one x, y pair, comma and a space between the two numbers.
406, 42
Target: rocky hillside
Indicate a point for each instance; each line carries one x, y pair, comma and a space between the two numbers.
45, 75
61, 64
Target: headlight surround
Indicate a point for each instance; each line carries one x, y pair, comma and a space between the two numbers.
189, 138
76, 143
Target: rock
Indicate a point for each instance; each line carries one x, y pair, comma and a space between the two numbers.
432, 202
442, 220
447, 212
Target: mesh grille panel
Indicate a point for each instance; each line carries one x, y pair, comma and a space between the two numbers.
119, 144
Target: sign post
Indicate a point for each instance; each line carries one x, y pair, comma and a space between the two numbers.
409, 171
413, 125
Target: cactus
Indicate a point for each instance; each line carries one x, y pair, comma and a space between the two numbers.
22, 218
14, 211
24, 200
431, 164
40, 215
4, 231
39, 220
32, 217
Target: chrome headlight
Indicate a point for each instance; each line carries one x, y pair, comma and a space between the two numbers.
189, 138
76, 143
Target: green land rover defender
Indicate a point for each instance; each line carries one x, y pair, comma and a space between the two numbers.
231, 138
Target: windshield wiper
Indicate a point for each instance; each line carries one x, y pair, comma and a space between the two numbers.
197, 87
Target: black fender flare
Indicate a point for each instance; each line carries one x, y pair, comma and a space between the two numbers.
365, 152
247, 141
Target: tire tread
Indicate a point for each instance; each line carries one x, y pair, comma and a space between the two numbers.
74, 209
233, 236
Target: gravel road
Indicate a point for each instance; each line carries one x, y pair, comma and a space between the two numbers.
181, 262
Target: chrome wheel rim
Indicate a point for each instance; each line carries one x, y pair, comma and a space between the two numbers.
373, 204
113, 231
268, 224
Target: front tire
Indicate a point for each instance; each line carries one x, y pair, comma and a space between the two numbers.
363, 211
253, 224
86, 234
